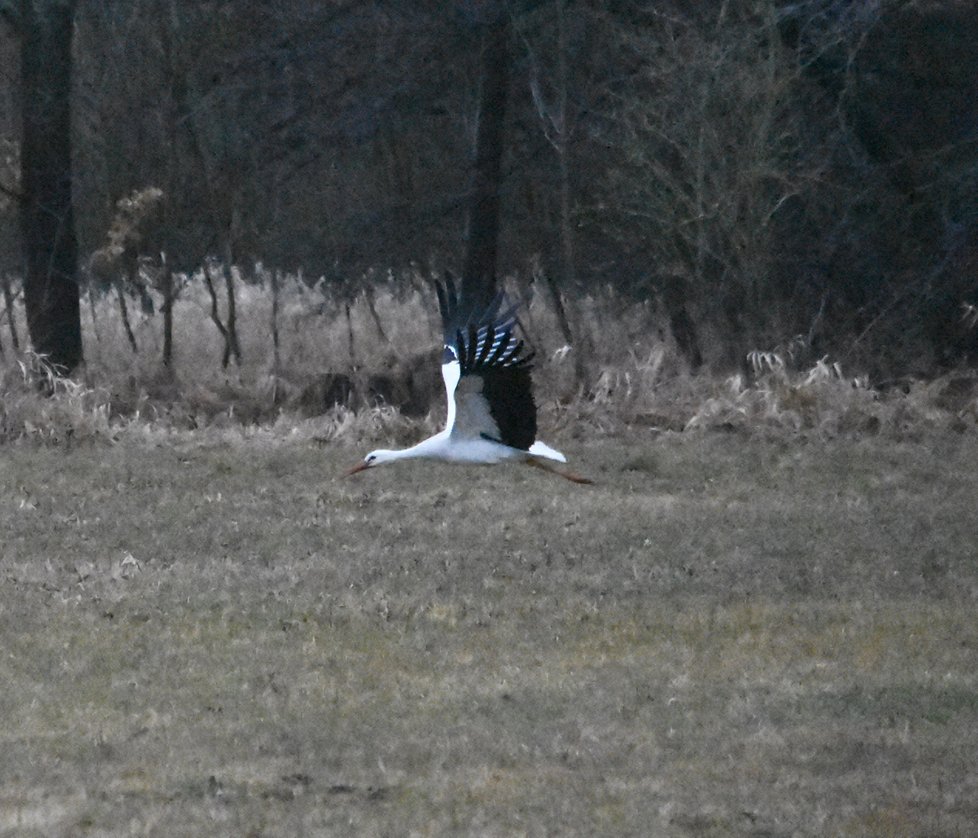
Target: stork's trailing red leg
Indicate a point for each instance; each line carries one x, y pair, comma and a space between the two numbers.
567, 475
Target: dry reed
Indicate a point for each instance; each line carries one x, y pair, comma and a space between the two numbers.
295, 335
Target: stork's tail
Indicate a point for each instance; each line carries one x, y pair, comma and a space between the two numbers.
541, 449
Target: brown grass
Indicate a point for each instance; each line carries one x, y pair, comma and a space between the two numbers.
635, 378
210, 633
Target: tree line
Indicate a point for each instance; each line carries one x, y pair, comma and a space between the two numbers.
769, 173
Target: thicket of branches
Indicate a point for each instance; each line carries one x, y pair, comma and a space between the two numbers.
767, 173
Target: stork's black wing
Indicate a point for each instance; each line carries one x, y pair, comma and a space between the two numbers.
492, 365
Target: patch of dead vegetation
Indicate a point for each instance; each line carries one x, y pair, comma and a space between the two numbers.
378, 352
213, 634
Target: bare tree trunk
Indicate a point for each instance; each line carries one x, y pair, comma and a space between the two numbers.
563, 323
226, 222
372, 308
232, 347
216, 317
583, 348
479, 273
275, 341
680, 323
349, 330
91, 310
556, 122
167, 289
124, 311
562, 145
51, 294
8, 299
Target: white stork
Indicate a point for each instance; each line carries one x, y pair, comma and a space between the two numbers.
492, 417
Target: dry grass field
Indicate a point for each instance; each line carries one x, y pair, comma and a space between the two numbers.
214, 634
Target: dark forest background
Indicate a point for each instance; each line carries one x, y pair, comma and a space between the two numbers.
767, 173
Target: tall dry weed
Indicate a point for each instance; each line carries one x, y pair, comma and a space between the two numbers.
39, 405
338, 353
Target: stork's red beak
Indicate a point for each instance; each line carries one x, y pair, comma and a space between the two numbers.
355, 469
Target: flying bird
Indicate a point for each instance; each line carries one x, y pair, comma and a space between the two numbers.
492, 417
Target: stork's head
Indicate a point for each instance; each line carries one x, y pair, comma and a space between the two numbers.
374, 458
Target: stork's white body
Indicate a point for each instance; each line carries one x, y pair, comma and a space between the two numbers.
468, 425
442, 446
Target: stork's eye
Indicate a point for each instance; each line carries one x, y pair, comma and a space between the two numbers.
371, 458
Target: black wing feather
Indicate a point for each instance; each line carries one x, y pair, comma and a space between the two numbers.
509, 392
484, 345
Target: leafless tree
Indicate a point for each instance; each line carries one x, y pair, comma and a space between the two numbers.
482, 228
47, 212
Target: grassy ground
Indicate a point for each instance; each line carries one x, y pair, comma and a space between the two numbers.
724, 636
